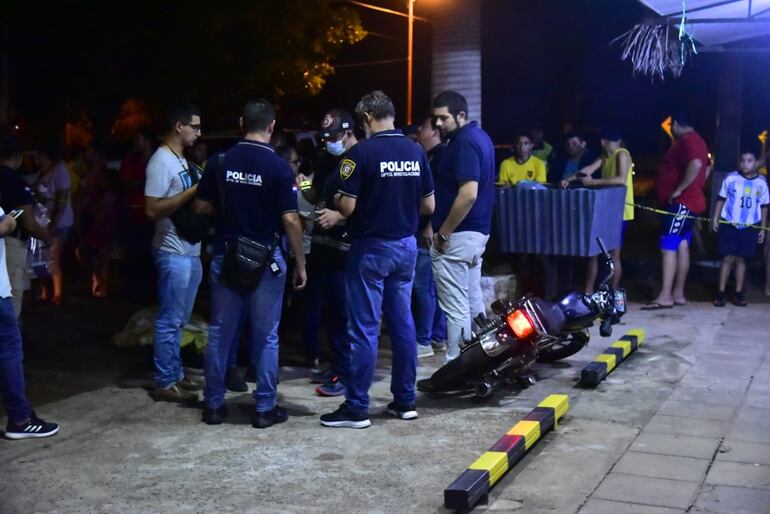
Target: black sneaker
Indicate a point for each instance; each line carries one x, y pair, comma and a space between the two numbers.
344, 417
214, 416
35, 427
719, 299
234, 381
739, 299
321, 377
189, 384
269, 418
251, 374
401, 411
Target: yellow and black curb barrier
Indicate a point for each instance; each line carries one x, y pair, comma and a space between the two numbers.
609, 359
476, 481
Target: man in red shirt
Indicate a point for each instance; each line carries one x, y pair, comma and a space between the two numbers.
680, 187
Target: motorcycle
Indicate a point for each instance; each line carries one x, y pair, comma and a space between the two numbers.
502, 348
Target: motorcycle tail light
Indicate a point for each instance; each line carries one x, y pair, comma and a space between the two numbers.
520, 324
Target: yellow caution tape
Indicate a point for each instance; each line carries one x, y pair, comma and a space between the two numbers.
697, 218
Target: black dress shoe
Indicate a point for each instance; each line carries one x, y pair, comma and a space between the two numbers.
269, 418
234, 381
214, 416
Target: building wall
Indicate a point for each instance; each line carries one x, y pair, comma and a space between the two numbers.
457, 51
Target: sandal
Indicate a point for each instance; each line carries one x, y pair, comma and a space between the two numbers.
655, 306
739, 299
719, 299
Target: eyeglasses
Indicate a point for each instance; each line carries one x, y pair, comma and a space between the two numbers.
196, 127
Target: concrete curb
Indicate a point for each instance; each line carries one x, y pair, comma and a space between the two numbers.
476, 481
609, 359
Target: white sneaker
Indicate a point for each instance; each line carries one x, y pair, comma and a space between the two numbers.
424, 351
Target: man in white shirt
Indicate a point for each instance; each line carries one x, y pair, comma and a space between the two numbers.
22, 421
169, 187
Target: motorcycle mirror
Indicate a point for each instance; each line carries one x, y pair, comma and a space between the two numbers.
608, 260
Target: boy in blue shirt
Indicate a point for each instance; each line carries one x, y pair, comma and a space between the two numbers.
743, 201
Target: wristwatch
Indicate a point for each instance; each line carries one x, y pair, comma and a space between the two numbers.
442, 237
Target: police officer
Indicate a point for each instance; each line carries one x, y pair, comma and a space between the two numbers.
329, 254
251, 190
386, 185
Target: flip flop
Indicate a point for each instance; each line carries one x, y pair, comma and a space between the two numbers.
680, 304
655, 306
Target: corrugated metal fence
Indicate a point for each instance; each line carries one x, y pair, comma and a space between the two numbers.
558, 222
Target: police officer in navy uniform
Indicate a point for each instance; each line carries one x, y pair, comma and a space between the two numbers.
386, 185
328, 255
257, 188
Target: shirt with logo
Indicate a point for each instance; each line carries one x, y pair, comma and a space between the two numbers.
512, 172
168, 176
389, 175
470, 156
330, 246
258, 189
744, 198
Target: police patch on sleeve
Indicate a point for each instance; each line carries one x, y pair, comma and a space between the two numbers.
346, 168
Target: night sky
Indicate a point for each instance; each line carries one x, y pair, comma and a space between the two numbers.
546, 61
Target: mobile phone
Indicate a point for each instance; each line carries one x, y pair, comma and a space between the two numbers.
16, 213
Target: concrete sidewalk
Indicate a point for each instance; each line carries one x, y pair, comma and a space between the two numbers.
682, 424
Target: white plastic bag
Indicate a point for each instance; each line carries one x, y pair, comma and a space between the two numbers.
38, 251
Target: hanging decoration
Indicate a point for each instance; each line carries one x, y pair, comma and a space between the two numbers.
658, 49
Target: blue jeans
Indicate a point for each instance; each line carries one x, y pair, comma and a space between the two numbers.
429, 319
326, 302
262, 307
11, 371
178, 279
379, 282
232, 356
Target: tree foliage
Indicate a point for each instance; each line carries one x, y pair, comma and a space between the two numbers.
76, 55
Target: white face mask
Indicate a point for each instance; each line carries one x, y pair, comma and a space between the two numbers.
335, 147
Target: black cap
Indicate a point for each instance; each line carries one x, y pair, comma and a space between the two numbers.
334, 122
611, 134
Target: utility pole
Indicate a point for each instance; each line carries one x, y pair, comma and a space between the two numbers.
410, 67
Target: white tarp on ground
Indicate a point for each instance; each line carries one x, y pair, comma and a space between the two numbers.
711, 34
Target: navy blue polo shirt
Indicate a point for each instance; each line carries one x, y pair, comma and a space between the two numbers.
388, 175
259, 189
470, 155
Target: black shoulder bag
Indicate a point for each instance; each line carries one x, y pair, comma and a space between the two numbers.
245, 260
190, 226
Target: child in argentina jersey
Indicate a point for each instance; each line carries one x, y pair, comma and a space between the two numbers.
742, 202
744, 197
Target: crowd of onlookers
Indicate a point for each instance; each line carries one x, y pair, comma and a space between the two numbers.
105, 213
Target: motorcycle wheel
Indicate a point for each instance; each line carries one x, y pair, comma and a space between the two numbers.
570, 345
455, 372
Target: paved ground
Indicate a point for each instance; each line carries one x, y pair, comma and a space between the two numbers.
682, 425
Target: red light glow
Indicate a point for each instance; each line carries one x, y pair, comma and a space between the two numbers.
520, 324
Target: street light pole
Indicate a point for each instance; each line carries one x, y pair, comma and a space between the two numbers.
409, 65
